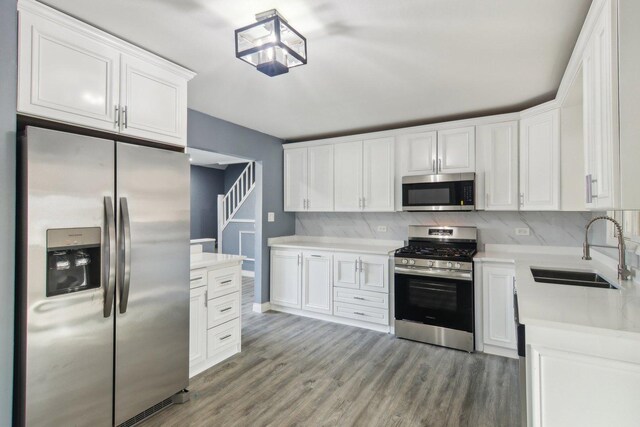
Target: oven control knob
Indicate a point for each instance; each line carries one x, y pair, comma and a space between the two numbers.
449, 264
405, 261
412, 261
458, 265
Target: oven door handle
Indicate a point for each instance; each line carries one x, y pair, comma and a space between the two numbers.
434, 273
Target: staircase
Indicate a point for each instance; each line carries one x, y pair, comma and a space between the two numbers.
230, 203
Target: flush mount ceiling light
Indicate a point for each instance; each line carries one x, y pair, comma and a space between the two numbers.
271, 44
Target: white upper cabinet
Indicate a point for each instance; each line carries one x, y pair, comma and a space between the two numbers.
71, 72
153, 101
363, 172
308, 176
66, 75
417, 153
498, 145
457, 150
295, 177
320, 178
377, 195
347, 169
540, 162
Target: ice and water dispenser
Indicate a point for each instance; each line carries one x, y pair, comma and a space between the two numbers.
73, 260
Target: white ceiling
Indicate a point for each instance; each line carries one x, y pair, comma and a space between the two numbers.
373, 64
212, 159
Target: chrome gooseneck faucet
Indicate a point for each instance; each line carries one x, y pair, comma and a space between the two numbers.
623, 272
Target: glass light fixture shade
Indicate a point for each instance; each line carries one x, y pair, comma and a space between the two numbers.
271, 45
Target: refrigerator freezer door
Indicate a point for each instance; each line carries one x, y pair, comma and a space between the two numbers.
152, 302
66, 341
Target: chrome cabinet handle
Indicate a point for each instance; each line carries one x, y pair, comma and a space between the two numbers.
440, 165
298, 259
589, 188
225, 337
195, 279
360, 298
359, 313
226, 281
486, 200
125, 250
360, 202
308, 204
225, 309
109, 267
117, 117
126, 117
521, 199
360, 261
206, 298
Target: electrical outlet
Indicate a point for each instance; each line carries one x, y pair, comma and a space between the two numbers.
523, 231
382, 228
271, 217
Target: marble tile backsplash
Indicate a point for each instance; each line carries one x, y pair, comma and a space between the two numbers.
546, 228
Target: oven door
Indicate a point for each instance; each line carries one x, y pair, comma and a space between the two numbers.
437, 192
434, 300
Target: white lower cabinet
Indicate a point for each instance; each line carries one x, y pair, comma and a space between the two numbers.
316, 282
497, 323
331, 286
214, 316
285, 278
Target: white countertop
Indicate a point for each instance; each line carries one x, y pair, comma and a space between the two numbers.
361, 246
206, 259
603, 311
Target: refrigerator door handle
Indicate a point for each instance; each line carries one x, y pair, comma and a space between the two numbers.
125, 257
109, 256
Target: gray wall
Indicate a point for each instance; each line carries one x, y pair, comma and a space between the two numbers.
209, 133
231, 234
206, 184
547, 228
8, 82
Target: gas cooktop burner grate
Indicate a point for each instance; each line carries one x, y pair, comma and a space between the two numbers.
435, 252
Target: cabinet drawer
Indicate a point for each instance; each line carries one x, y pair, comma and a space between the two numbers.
364, 298
223, 337
198, 278
223, 309
223, 281
359, 312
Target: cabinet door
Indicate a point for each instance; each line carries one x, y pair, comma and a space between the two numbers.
417, 153
603, 143
66, 75
499, 143
589, 123
374, 273
316, 282
320, 179
197, 326
457, 150
378, 175
498, 323
154, 102
346, 271
295, 179
540, 162
348, 176
285, 278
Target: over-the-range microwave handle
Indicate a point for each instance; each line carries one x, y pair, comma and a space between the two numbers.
125, 254
109, 251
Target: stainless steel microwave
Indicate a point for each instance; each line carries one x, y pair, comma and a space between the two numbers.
446, 192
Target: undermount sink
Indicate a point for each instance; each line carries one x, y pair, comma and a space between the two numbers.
573, 278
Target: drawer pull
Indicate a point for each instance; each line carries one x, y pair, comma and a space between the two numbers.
225, 337
195, 279
225, 309
358, 313
225, 282
360, 298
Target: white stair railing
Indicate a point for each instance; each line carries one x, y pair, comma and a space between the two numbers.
230, 203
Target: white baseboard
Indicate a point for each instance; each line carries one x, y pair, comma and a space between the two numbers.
247, 273
261, 308
499, 351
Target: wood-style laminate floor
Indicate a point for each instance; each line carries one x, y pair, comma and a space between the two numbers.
295, 371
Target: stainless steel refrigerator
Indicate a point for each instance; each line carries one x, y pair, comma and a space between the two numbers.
103, 282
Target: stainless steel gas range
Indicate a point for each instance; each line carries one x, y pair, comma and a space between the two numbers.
434, 286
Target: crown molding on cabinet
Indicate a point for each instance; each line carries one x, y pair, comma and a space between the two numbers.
101, 36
